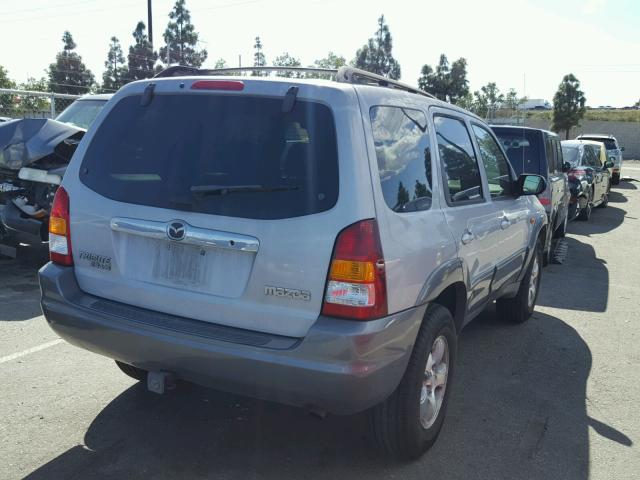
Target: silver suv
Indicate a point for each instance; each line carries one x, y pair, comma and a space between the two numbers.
313, 242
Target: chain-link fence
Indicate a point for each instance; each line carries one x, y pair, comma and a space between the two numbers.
28, 104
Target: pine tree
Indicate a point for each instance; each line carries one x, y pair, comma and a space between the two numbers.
115, 74
286, 60
376, 57
181, 39
68, 74
403, 195
448, 82
141, 58
259, 59
568, 105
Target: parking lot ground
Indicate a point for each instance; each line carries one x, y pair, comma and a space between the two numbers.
554, 398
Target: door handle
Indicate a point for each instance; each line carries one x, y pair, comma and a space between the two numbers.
467, 237
505, 223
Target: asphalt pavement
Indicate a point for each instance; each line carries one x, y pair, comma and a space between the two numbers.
554, 398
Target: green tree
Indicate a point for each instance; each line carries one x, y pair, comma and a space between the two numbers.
420, 190
30, 103
259, 60
488, 99
403, 195
375, 56
286, 60
220, 63
115, 74
181, 39
6, 100
141, 58
331, 62
448, 83
511, 99
568, 105
68, 74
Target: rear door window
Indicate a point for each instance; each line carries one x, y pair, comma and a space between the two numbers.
237, 156
523, 147
495, 164
462, 181
550, 151
404, 161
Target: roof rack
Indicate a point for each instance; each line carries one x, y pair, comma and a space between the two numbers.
343, 75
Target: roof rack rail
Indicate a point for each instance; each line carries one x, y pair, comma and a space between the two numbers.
180, 70
343, 75
362, 77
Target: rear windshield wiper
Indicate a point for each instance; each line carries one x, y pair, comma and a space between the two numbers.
226, 189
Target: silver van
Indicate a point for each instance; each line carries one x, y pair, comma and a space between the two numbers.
319, 243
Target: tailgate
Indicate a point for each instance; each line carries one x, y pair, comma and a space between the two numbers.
218, 207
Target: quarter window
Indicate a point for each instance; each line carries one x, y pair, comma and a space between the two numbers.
404, 160
459, 164
495, 164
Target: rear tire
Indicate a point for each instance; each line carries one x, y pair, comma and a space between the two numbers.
615, 178
134, 372
585, 213
519, 308
407, 423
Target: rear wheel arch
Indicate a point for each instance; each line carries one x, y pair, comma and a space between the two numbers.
454, 299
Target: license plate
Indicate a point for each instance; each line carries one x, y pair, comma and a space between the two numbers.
179, 265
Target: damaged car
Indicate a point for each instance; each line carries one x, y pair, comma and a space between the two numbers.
34, 154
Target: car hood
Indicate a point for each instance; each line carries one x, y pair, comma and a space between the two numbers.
23, 142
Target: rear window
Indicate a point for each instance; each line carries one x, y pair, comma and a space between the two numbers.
237, 156
523, 147
571, 154
609, 143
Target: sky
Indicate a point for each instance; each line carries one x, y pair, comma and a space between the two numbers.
521, 44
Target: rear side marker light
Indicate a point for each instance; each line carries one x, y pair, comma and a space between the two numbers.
59, 233
544, 200
232, 85
356, 285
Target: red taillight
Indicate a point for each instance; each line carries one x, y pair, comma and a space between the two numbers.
544, 200
59, 233
233, 85
356, 284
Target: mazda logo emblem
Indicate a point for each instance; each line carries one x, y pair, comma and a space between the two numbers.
176, 230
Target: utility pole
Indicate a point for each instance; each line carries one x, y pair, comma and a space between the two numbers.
150, 22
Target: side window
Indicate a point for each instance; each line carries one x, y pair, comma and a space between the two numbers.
550, 153
461, 172
590, 156
598, 156
559, 157
404, 160
495, 164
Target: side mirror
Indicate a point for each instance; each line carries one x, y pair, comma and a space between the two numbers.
528, 184
608, 164
566, 166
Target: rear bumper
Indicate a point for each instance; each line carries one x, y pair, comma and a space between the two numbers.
340, 366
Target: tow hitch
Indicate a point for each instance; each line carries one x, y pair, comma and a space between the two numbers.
158, 382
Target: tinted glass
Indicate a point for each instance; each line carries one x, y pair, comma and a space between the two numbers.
523, 147
237, 156
459, 163
549, 150
609, 143
495, 164
590, 156
559, 157
404, 160
81, 113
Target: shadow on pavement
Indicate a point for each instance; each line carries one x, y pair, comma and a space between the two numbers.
602, 220
569, 291
518, 411
19, 290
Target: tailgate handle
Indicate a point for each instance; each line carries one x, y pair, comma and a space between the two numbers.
201, 237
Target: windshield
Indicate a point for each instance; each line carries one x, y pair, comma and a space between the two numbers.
237, 156
81, 113
571, 154
523, 147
